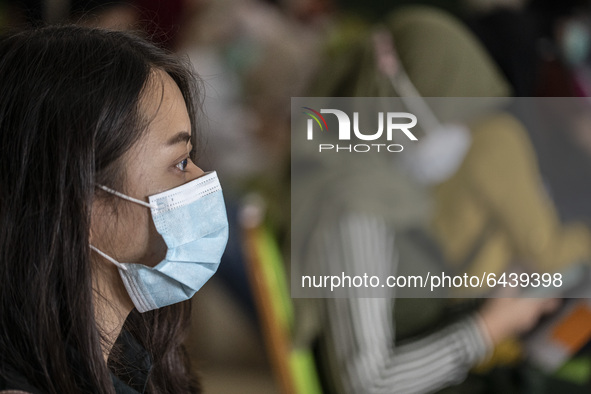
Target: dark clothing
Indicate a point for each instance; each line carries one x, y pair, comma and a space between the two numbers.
129, 374
17, 382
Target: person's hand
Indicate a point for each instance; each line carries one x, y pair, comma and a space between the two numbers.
502, 318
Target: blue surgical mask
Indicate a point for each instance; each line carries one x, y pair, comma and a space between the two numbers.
192, 221
438, 155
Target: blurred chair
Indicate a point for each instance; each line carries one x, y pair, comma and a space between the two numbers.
294, 368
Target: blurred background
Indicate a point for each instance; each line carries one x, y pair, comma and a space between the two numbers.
254, 55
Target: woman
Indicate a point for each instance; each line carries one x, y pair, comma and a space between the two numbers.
362, 214
97, 130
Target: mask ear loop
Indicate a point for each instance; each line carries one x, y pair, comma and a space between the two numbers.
126, 197
390, 66
112, 260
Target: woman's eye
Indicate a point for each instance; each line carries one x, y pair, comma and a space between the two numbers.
183, 164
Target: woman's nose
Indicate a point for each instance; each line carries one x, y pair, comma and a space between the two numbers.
195, 171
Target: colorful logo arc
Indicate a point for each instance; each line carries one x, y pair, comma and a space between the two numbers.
315, 115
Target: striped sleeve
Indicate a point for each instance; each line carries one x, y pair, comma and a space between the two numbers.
359, 342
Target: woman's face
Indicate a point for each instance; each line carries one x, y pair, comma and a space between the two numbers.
159, 161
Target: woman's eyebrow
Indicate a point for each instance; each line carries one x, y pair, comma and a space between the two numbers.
182, 136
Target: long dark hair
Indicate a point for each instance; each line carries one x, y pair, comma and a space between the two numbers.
69, 110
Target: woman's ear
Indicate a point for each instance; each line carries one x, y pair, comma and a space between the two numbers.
94, 218
99, 212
